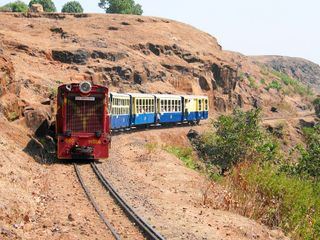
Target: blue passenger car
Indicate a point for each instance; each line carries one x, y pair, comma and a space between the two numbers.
142, 109
195, 108
120, 111
169, 109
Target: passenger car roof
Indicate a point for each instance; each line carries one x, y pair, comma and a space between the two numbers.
120, 94
141, 95
167, 96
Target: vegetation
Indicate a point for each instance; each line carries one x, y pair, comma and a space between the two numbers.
48, 5
309, 161
121, 7
241, 76
184, 154
252, 82
238, 138
295, 85
72, 7
282, 200
316, 104
151, 147
274, 85
264, 184
17, 6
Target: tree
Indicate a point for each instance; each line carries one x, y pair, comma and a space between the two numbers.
316, 104
121, 7
72, 7
48, 5
238, 137
17, 6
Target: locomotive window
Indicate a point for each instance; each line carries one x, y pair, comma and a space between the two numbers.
206, 104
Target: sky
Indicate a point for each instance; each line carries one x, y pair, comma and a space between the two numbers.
252, 27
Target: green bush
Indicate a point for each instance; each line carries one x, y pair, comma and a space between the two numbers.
72, 7
121, 7
285, 201
309, 162
48, 5
316, 104
262, 186
17, 6
274, 85
238, 137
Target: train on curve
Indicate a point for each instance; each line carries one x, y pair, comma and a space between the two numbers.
86, 115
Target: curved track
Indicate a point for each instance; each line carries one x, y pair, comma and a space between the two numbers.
147, 231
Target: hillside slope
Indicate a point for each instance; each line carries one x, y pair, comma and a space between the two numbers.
128, 54
306, 71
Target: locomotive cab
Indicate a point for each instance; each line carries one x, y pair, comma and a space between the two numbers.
82, 121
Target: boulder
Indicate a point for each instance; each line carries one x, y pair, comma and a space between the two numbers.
204, 83
78, 57
225, 77
220, 104
38, 120
193, 134
36, 8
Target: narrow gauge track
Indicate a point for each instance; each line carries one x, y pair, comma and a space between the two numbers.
145, 229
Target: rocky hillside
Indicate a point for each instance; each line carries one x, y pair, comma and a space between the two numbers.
127, 53
298, 68
38, 52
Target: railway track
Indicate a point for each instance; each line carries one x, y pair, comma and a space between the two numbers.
121, 223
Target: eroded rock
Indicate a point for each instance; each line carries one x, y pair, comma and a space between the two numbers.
38, 120
78, 57
36, 8
225, 77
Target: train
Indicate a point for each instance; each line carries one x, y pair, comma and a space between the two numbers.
88, 113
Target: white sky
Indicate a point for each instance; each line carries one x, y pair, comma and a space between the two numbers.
252, 27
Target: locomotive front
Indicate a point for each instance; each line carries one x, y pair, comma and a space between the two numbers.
82, 122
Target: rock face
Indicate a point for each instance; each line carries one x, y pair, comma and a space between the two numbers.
10, 106
36, 8
127, 54
64, 56
298, 68
6, 74
38, 120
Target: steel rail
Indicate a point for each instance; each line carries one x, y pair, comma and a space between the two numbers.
149, 232
95, 205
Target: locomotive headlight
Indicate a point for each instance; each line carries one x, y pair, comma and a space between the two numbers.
85, 87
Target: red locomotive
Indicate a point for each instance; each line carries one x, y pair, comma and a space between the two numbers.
82, 122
